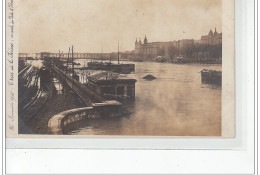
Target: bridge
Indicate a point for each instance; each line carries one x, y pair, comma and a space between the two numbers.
65, 55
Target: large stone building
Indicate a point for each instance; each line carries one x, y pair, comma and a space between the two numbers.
155, 49
145, 48
211, 39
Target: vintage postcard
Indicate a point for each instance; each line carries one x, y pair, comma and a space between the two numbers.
79, 68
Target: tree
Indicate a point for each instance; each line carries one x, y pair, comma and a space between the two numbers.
161, 51
172, 51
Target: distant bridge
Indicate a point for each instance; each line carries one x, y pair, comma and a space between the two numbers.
75, 55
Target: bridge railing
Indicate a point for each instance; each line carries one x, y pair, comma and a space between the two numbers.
74, 83
22, 71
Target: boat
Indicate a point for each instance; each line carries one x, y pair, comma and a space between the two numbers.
211, 76
118, 68
108, 66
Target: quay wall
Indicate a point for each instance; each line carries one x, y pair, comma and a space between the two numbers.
61, 120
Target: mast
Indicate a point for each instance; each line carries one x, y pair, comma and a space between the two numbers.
72, 60
118, 53
68, 61
101, 51
110, 64
52, 58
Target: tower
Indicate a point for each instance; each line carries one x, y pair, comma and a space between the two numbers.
138, 46
215, 33
210, 33
210, 38
145, 40
136, 42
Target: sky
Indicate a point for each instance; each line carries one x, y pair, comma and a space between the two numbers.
98, 25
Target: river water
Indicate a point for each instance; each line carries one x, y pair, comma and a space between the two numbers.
174, 104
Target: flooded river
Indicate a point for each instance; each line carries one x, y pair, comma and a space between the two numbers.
174, 104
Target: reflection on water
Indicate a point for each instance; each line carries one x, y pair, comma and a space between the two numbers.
176, 103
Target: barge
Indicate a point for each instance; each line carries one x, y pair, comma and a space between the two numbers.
211, 76
112, 86
108, 66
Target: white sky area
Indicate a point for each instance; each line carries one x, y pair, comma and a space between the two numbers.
89, 25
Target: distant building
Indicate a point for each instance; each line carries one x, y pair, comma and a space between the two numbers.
211, 39
185, 42
145, 48
155, 49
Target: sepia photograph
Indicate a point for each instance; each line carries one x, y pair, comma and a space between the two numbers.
120, 67
166, 86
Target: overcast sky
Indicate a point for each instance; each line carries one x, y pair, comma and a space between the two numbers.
52, 25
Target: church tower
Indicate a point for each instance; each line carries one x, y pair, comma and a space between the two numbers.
210, 33
215, 33
145, 40
210, 38
138, 46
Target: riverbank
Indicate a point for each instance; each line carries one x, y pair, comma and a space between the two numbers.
153, 61
61, 100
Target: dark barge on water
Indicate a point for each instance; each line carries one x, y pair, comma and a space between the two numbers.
211, 76
108, 66
112, 86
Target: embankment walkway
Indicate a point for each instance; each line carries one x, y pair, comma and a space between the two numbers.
87, 96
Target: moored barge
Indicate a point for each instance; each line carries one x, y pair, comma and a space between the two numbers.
211, 76
108, 66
